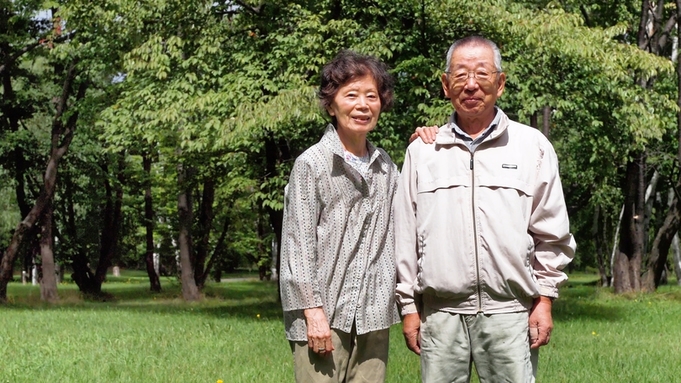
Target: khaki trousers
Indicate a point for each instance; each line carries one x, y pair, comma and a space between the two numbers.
498, 344
355, 359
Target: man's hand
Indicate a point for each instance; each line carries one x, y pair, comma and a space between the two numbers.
318, 331
541, 322
411, 327
427, 134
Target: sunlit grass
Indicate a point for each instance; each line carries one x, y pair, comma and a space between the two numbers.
235, 334
141, 337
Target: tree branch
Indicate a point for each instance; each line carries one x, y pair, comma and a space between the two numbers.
71, 122
255, 10
669, 25
642, 38
12, 58
585, 14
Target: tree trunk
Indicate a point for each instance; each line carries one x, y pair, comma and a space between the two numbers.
677, 258
154, 280
218, 251
615, 247
643, 40
205, 225
190, 292
273, 154
669, 230
598, 233
87, 281
112, 225
651, 191
663, 240
546, 123
61, 136
30, 248
262, 268
627, 267
651, 37
82, 275
70, 216
677, 252
48, 283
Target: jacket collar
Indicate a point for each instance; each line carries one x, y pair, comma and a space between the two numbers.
447, 136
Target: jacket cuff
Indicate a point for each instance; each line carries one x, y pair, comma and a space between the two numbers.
550, 292
409, 309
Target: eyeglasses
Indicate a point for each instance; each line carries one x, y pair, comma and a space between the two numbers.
482, 76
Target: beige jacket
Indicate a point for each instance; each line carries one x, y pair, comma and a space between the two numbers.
481, 232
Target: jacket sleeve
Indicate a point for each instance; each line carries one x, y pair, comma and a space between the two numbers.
550, 227
300, 288
406, 244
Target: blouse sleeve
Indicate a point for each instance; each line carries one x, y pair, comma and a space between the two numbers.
300, 287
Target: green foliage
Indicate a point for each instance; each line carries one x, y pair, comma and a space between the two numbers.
228, 92
232, 82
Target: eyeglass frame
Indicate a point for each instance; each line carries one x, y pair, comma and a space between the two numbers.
475, 76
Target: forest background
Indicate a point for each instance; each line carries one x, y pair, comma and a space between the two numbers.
159, 134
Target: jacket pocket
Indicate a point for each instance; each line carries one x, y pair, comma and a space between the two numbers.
431, 185
506, 183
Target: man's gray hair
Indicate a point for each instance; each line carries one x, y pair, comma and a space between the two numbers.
474, 40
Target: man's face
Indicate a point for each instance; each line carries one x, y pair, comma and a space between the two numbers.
473, 83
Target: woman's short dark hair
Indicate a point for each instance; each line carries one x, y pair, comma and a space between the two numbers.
349, 65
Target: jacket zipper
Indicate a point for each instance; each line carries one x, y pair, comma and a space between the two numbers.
475, 235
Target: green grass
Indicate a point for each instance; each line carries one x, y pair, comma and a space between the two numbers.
236, 335
600, 337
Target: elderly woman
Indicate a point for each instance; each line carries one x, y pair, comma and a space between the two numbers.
337, 268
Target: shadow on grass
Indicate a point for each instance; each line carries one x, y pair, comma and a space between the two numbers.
579, 299
250, 299
582, 299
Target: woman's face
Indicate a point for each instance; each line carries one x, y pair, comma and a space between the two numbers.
356, 106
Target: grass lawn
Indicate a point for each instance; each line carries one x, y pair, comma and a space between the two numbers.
236, 335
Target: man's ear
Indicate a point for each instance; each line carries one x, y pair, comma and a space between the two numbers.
502, 84
445, 84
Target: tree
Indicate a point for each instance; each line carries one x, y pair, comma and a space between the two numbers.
657, 262
48, 283
62, 134
649, 28
78, 66
154, 281
205, 105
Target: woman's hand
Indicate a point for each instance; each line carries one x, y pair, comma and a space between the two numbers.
318, 331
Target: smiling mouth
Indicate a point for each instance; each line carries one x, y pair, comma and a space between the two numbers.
362, 119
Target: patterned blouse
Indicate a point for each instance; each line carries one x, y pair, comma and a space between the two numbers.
338, 240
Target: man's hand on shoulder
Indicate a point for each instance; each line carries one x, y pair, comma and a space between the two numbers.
411, 327
426, 133
541, 322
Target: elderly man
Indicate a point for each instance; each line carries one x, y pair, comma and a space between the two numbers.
482, 232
